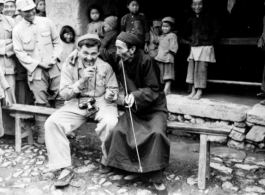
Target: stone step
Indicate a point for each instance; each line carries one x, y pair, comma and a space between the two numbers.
207, 108
257, 115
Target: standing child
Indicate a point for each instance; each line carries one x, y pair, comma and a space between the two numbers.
136, 23
154, 35
168, 47
111, 33
95, 25
67, 36
41, 8
202, 30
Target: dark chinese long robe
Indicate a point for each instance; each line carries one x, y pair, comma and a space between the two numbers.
149, 118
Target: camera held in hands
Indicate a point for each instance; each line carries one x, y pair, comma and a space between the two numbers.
89, 104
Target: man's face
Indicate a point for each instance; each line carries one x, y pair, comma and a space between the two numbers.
9, 9
94, 14
197, 6
133, 7
87, 55
28, 15
123, 51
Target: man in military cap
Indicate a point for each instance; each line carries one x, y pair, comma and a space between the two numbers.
37, 47
83, 77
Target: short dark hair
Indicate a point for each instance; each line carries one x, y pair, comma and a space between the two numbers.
97, 7
170, 23
129, 2
89, 43
67, 29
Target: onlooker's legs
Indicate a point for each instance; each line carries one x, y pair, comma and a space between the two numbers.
11, 80
55, 89
39, 89
190, 78
200, 78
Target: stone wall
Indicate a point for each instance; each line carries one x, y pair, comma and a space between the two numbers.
247, 124
74, 12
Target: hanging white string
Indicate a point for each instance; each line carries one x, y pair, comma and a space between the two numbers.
130, 112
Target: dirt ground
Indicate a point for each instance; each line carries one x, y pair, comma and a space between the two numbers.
183, 164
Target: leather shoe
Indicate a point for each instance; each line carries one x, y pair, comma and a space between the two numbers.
104, 169
65, 180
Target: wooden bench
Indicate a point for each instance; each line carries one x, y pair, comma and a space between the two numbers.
20, 111
204, 156
25, 112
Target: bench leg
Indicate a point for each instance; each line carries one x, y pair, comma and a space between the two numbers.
202, 162
18, 133
208, 160
30, 136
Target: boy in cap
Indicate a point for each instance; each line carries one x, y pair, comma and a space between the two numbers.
154, 35
111, 33
83, 77
136, 23
167, 49
38, 48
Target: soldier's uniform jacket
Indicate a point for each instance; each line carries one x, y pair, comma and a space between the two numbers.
7, 63
37, 42
72, 71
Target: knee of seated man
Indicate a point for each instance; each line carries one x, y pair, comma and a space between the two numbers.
49, 123
111, 121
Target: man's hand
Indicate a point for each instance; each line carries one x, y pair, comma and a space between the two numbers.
129, 100
88, 73
7, 97
146, 49
110, 95
44, 66
8, 41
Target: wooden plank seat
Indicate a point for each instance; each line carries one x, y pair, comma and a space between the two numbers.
25, 111
204, 156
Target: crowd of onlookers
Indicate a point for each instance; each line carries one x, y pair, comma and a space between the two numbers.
159, 40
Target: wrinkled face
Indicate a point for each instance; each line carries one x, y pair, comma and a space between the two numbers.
68, 37
123, 51
9, 9
89, 55
133, 7
94, 14
107, 27
28, 15
197, 6
166, 28
41, 6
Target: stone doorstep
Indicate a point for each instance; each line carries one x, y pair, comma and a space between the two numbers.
207, 108
256, 115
